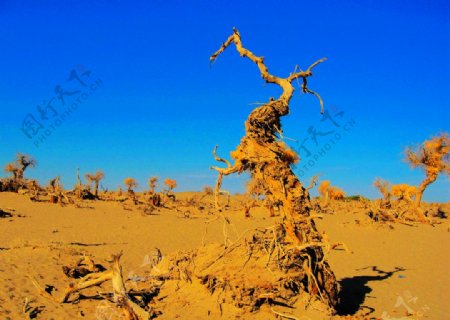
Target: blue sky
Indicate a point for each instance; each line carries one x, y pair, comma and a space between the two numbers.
161, 108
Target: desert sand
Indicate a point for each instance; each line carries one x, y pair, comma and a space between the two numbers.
390, 271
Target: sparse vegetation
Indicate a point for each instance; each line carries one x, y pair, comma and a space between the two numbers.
329, 192
357, 197
433, 157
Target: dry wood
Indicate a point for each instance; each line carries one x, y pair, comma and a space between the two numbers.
269, 160
90, 280
130, 309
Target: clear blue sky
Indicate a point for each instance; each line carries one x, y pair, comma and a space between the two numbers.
161, 108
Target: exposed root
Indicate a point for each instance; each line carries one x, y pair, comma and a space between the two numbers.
90, 280
282, 315
122, 298
401, 211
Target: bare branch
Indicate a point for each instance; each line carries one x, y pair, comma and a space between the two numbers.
305, 89
217, 158
284, 83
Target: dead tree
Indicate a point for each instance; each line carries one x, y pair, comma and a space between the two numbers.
433, 157
17, 169
56, 192
152, 183
385, 189
268, 159
155, 198
34, 189
170, 184
131, 184
81, 191
95, 178
23, 162
79, 186
329, 192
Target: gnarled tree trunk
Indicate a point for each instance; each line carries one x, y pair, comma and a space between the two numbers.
421, 189
267, 158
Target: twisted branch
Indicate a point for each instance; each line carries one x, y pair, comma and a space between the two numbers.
222, 171
284, 83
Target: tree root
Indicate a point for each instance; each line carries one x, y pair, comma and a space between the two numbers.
90, 280
123, 299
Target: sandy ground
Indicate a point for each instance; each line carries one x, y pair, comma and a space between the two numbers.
390, 271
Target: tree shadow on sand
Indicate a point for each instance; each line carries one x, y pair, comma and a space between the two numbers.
4, 214
355, 289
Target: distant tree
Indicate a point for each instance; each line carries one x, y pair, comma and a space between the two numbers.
18, 167
336, 193
256, 188
171, 184
54, 185
385, 189
323, 188
313, 182
433, 157
329, 192
11, 168
24, 161
208, 190
56, 192
131, 184
95, 178
34, 188
152, 183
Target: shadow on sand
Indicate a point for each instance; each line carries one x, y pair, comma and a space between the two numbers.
355, 289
